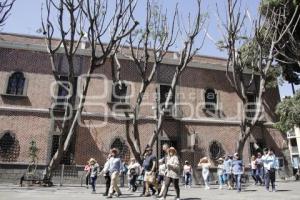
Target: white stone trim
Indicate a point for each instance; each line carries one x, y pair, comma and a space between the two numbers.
122, 116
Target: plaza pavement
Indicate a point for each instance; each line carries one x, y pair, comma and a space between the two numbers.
286, 191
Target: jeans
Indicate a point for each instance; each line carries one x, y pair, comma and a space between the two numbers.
258, 175
253, 174
176, 186
221, 180
270, 177
188, 179
237, 178
93, 183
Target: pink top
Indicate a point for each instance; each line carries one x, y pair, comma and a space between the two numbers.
87, 168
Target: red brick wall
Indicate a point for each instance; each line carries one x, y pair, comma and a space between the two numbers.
95, 142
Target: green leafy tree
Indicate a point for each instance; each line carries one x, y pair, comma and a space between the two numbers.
289, 113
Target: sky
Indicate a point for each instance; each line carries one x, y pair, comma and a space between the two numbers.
25, 18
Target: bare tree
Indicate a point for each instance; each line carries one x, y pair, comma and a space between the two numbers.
186, 55
255, 54
5, 8
148, 47
71, 17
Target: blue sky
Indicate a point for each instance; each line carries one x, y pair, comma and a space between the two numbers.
25, 18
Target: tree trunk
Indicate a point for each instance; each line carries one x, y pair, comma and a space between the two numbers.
68, 132
241, 145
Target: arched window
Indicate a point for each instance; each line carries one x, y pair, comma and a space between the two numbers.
210, 100
9, 147
123, 149
216, 150
16, 83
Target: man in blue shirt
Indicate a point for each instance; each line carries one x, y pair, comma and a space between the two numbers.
114, 171
237, 170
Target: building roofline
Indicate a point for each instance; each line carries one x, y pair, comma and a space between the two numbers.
55, 38
201, 62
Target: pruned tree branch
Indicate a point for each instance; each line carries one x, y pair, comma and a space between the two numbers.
5, 8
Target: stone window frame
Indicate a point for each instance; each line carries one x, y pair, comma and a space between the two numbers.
248, 94
172, 110
59, 100
126, 98
208, 107
25, 85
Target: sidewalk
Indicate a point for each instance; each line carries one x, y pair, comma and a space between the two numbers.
286, 191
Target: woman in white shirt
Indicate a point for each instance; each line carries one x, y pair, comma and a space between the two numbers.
205, 164
172, 173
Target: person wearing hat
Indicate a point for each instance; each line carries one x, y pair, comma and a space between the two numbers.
172, 173
237, 170
187, 174
205, 164
94, 173
227, 172
149, 167
220, 172
114, 171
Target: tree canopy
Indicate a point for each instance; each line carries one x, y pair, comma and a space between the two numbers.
289, 113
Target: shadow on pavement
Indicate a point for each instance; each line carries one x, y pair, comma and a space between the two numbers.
191, 199
249, 190
283, 190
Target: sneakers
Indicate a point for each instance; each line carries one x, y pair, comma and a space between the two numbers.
207, 188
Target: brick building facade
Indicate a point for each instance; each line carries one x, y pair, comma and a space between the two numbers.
193, 129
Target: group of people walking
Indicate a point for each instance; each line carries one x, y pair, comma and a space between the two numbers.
156, 180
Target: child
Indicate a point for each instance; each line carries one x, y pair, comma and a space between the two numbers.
221, 171
205, 164
87, 169
134, 169
161, 173
187, 173
94, 173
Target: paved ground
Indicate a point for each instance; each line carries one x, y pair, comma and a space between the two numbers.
286, 191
